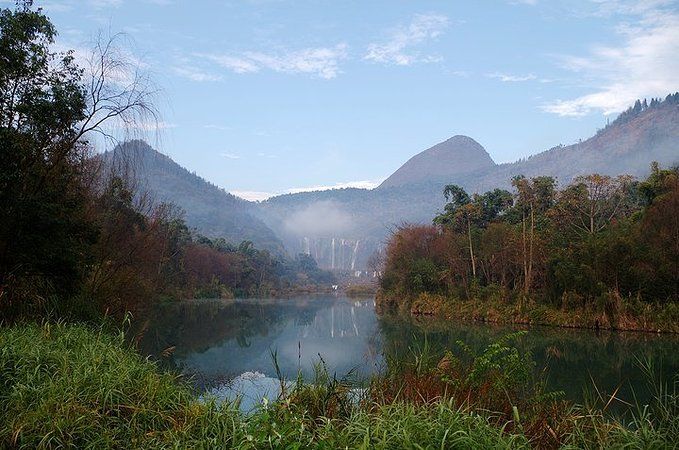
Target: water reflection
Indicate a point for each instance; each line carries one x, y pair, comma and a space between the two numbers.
219, 341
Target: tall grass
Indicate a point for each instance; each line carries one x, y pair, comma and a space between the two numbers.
73, 386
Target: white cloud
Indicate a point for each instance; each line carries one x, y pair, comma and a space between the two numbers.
234, 63
267, 155
510, 78
628, 7
216, 127
153, 126
229, 155
105, 3
365, 184
322, 62
194, 74
396, 50
644, 65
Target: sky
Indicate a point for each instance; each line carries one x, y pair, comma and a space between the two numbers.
264, 97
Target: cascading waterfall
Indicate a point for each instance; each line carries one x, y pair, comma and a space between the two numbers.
333, 253
341, 260
332, 264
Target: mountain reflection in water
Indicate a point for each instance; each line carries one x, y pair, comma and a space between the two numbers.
227, 345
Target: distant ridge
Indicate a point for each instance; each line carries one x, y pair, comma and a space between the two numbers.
455, 156
646, 132
342, 228
208, 208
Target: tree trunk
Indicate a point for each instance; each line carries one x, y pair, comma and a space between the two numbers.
525, 253
529, 278
471, 247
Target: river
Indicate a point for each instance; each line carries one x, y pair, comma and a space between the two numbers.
227, 346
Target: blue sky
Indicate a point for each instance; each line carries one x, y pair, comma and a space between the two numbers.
274, 96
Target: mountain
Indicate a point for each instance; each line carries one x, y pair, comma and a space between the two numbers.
342, 228
642, 134
459, 155
211, 210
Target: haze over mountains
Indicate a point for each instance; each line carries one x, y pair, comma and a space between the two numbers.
208, 208
342, 228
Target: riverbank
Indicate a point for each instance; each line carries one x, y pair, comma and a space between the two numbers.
74, 386
610, 314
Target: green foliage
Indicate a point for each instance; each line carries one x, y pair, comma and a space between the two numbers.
74, 386
44, 228
603, 241
505, 365
70, 386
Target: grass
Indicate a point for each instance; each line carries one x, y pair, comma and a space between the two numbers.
74, 386
628, 315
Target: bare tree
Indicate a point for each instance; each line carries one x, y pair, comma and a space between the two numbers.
120, 96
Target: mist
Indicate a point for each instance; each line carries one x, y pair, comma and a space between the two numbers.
322, 218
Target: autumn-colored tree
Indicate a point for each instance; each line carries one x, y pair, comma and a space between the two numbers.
599, 240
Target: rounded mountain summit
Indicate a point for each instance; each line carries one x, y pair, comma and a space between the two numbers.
458, 156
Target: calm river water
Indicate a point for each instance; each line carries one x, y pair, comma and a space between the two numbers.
227, 345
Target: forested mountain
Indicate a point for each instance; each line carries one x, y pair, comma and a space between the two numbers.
208, 208
645, 132
342, 228
359, 220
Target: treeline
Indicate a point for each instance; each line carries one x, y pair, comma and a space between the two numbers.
149, 252
642, 105
599, 240
75, 238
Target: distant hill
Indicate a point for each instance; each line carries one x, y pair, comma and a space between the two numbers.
208, 208
644, 133
355, 222
342, 228
459, 155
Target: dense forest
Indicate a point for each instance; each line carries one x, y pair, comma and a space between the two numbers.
600, 242
76, 238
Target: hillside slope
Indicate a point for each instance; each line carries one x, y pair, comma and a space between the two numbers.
459, 155
342, 228
355, 222
627, 145
211, 210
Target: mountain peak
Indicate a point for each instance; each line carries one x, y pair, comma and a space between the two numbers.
457, 156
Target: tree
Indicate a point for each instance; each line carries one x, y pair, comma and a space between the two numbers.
533, 198
43, 230
589, 204
462, 215
48, 108
493, 204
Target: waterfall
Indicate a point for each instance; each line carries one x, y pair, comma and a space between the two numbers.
341, 260
354, 253
332, 260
